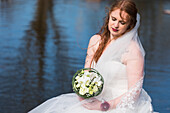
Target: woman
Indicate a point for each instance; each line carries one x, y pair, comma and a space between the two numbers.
116, 52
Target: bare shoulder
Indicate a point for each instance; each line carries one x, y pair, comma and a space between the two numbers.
95, 39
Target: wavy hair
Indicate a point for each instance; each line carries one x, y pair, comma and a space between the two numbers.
127, 6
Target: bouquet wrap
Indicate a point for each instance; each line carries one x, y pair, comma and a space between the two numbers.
87, 83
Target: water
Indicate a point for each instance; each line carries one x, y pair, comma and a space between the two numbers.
42, 45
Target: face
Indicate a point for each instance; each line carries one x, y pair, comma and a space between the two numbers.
117, 25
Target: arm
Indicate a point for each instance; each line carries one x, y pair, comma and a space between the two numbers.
92, 47
134, 66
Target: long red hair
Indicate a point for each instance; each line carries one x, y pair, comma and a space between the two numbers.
127, 6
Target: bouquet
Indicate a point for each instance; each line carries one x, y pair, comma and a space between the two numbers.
87, 83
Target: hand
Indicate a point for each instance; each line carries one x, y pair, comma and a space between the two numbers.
80, 98
93, 105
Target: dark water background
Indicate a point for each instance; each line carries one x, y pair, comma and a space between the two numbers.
42, 41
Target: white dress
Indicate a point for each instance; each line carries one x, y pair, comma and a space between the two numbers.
121, 65
69, 103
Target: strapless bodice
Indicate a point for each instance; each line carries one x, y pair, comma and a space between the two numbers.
115, 79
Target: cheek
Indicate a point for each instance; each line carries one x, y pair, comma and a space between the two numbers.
123, 28
109, 24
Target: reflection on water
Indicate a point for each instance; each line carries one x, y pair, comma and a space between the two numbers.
155, 34
42, 45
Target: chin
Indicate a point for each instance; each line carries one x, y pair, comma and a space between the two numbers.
115, 34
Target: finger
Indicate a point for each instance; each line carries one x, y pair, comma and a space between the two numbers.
80, 98
86, 106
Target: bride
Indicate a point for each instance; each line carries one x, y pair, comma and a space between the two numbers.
116, 52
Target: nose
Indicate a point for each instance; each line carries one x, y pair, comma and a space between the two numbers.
116, 25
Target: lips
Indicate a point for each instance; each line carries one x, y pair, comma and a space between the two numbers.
115, 30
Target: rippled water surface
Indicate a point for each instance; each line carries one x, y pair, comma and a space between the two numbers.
42, 45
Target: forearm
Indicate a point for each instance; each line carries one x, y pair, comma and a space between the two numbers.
114, 102
88, 62
92, 48
129, 98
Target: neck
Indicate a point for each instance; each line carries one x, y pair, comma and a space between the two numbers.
113, 37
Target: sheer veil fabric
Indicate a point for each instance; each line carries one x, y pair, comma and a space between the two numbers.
122, 66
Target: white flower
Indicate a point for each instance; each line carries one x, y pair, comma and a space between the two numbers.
86, 73
99, 83
95, 89
78, 85
87, 90
92, 75
83, 91
77, 77
83, 79
96, 80
83, 85
87, 83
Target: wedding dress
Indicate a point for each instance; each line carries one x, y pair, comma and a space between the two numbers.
120, 80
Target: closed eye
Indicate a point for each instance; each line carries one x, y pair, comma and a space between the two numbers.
114, 19
122, 22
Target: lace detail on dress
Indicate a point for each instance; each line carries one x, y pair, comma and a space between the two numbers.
130, 98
